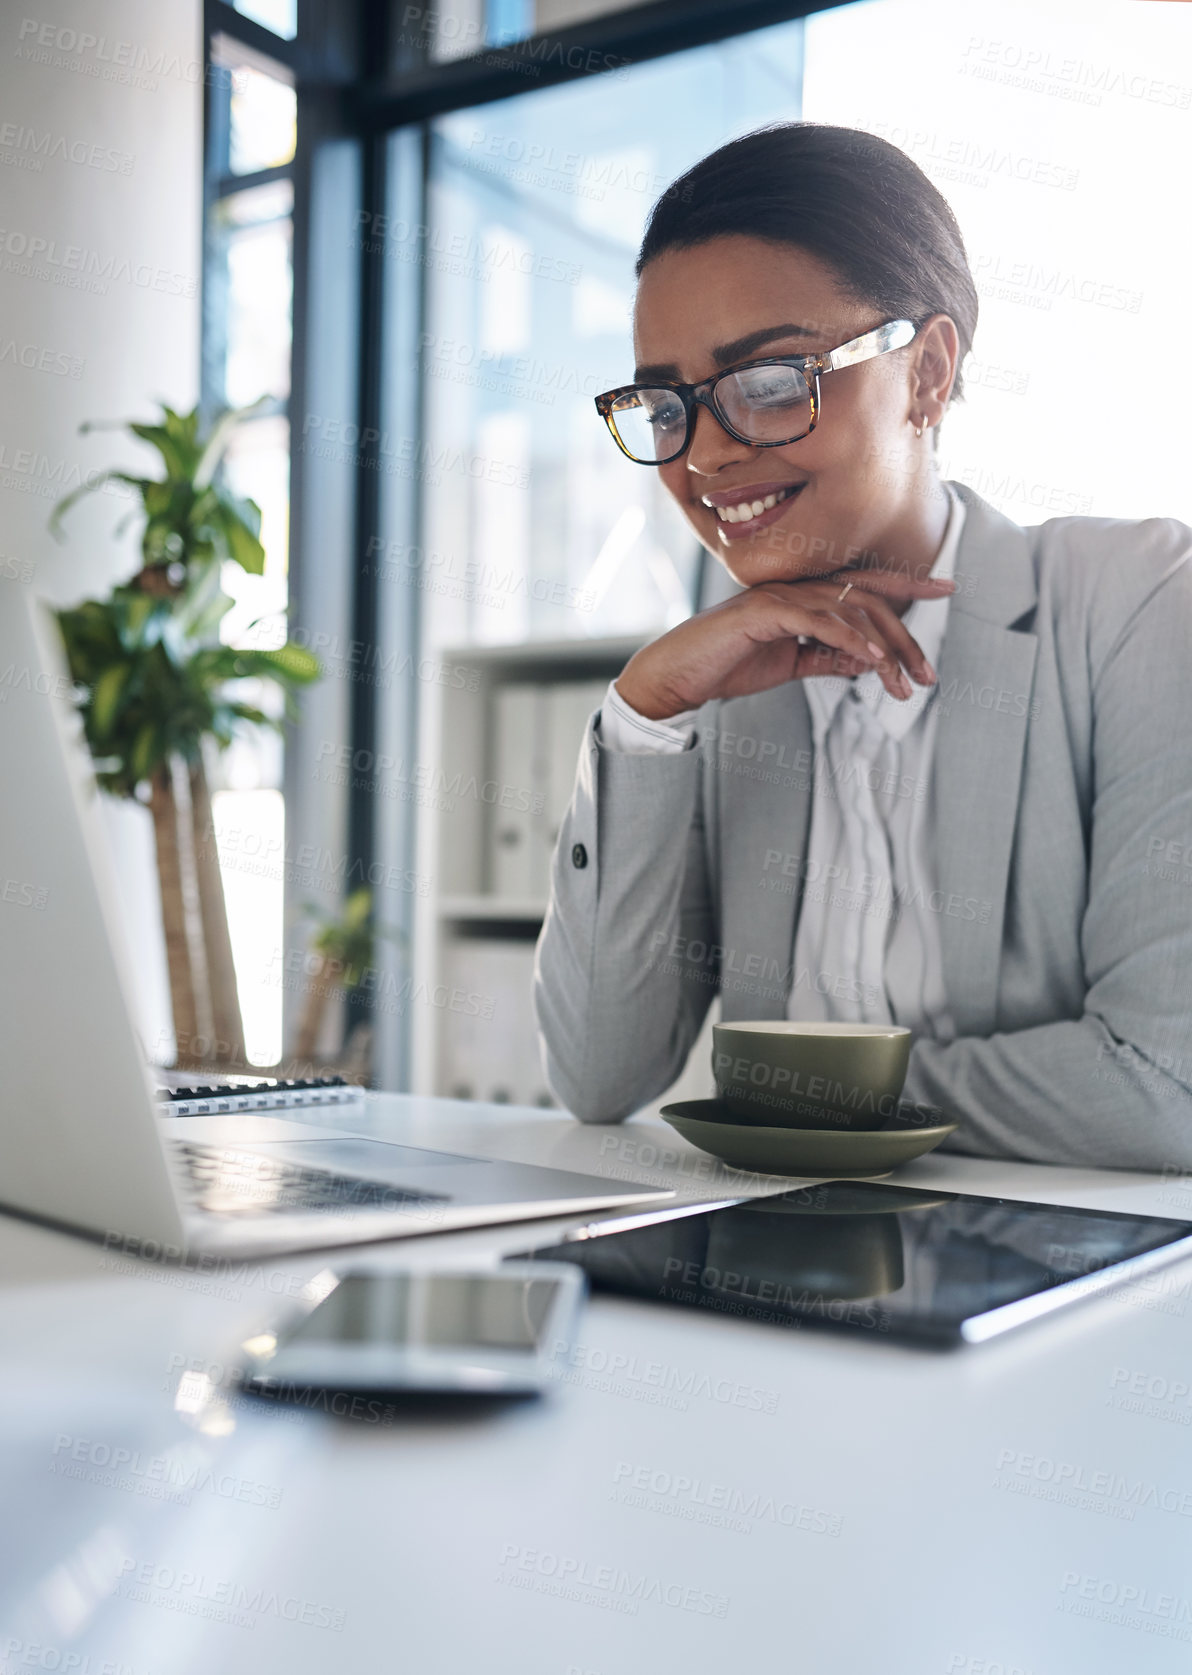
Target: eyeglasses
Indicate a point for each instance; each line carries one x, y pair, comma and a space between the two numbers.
765, 403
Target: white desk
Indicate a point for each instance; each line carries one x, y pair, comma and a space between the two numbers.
496, 1543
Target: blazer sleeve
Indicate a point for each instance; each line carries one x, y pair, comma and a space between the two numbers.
618, 1000
1112, 1088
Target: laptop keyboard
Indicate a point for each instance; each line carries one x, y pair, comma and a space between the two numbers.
211, 1098
226, 1182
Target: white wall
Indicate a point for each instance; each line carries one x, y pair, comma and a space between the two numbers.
100, 210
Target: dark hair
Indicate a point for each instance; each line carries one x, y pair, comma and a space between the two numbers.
849, 198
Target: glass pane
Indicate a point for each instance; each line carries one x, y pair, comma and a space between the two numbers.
455, 28
281, 16
256, 273
257, 465
249, 816
538, 526
1043, 136
263, 120
561, 14
250, 837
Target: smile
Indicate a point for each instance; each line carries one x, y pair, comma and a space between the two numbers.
747, 515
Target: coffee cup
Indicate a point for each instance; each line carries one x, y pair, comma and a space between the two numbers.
785, 1074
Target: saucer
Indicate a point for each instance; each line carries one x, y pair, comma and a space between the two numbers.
803, 1151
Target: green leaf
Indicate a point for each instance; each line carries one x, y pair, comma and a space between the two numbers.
291, 663
357, 908
174, 441
217, 441
97, 482
146, 753
239, 522
106, 694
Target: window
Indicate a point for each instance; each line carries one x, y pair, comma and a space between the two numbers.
247, 333
534, 526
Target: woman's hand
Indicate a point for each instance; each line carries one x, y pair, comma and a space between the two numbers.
782, 631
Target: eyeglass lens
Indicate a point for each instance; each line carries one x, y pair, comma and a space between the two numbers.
763, 403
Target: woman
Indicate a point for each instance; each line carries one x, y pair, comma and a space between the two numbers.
926, 767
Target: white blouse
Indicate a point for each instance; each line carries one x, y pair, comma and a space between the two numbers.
867, 945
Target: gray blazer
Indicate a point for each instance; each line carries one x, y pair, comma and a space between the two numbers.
1062, 789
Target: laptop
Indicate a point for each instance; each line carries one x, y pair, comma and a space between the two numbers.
83, 1141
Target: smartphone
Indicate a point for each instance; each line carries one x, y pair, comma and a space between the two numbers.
475, 1331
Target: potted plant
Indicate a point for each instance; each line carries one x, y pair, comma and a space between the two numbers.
158, 688
341, 960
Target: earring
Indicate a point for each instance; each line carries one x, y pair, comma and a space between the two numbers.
921, 427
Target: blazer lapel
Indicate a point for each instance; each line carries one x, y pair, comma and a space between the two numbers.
986, 676
765, 762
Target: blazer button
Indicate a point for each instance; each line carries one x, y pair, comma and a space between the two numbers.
579, 855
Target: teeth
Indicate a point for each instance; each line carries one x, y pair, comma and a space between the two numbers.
751, 508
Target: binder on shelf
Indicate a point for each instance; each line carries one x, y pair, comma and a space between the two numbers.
517, 776
538, 730
488, 1042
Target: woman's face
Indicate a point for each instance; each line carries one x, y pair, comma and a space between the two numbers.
863, 480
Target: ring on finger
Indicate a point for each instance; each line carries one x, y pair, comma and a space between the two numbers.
844, 592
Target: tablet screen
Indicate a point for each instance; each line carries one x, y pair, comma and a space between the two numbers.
893, 1262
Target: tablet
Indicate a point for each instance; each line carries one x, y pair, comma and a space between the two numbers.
895, 1263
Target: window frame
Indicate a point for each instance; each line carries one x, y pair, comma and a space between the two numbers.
359, 88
